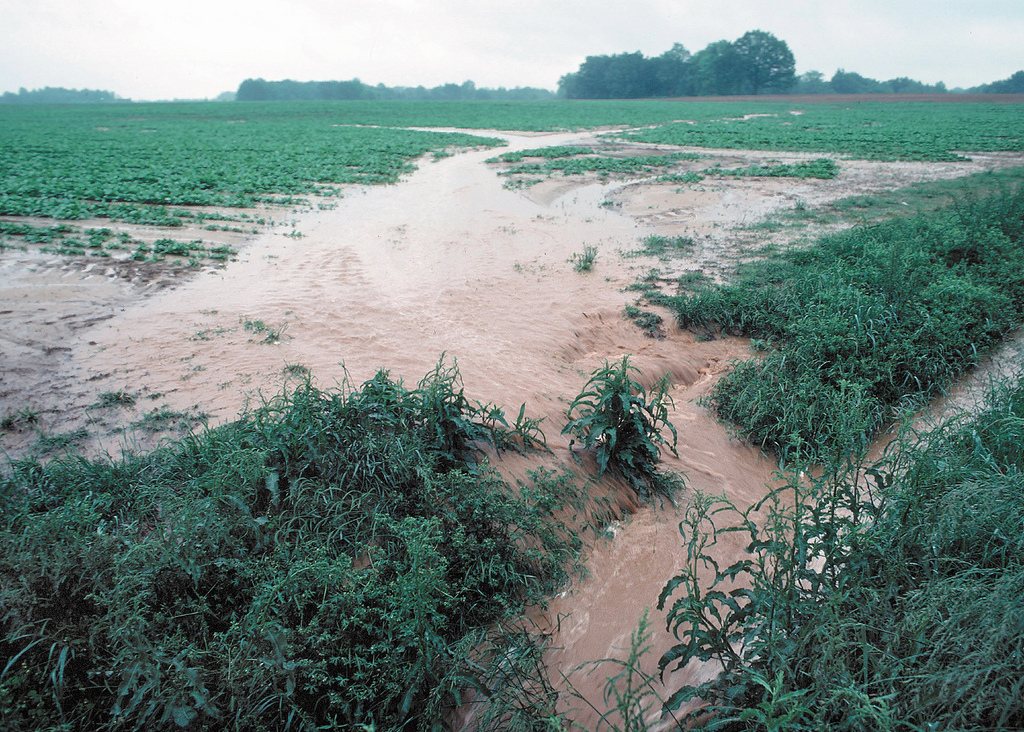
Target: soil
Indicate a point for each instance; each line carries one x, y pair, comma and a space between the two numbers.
451, 264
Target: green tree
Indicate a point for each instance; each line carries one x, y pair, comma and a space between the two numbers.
812, 82
621, 76
673, 73
848, 82
768, 66
719, 69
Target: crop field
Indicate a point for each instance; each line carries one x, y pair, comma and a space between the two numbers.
801, 277
875, 131
157, 164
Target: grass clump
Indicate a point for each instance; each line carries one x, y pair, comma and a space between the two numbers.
584, 261
822, 168
878, 596
119, 398
329, 560
664, 247
864, 322
650, 323
19, 419
623, 423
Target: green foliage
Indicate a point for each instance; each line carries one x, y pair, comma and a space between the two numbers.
578, 164
650, 323
133, 163
876, 596
631, 697
623, 423
330, 559
119, 398
548, 153
872, 131
756, 63
822, 168
584, 261
866, 321
664, 247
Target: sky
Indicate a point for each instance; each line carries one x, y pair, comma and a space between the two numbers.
195, 49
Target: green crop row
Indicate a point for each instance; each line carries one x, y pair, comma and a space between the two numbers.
603, 164
879, 131
68, 240
67, 163
142, 163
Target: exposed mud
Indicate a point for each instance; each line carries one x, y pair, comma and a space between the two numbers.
447, 262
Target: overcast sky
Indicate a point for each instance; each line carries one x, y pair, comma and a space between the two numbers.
164, 49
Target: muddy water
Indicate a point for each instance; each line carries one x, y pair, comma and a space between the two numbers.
448, 261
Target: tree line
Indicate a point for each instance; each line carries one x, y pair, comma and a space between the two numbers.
59, 95
755, 63
260, 90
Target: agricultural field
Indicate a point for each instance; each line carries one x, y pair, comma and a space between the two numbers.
370, 414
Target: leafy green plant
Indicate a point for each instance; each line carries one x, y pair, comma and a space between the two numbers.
584, 261
328, 560
624, 423
872, 595
119, 398
650, 323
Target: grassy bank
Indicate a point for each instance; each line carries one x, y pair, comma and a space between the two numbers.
329, 559
881, 596
863, 323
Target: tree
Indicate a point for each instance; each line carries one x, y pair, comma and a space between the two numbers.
673, 73
1012, 85
848, 82
622, 76
812, 82
768, 64
719, 70
253, 90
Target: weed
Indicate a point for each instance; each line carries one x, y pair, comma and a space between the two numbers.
865, 321
664, 247
48, 442
296, 369
161, 419
630, 696
650, 323
118, 398
623, 423
258, 327
20, 418
874, 596
584, 261
329, 560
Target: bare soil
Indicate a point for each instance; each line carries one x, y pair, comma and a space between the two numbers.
447, 262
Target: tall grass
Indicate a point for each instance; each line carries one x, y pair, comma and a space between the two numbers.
886, 596
326, 561
864, 322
